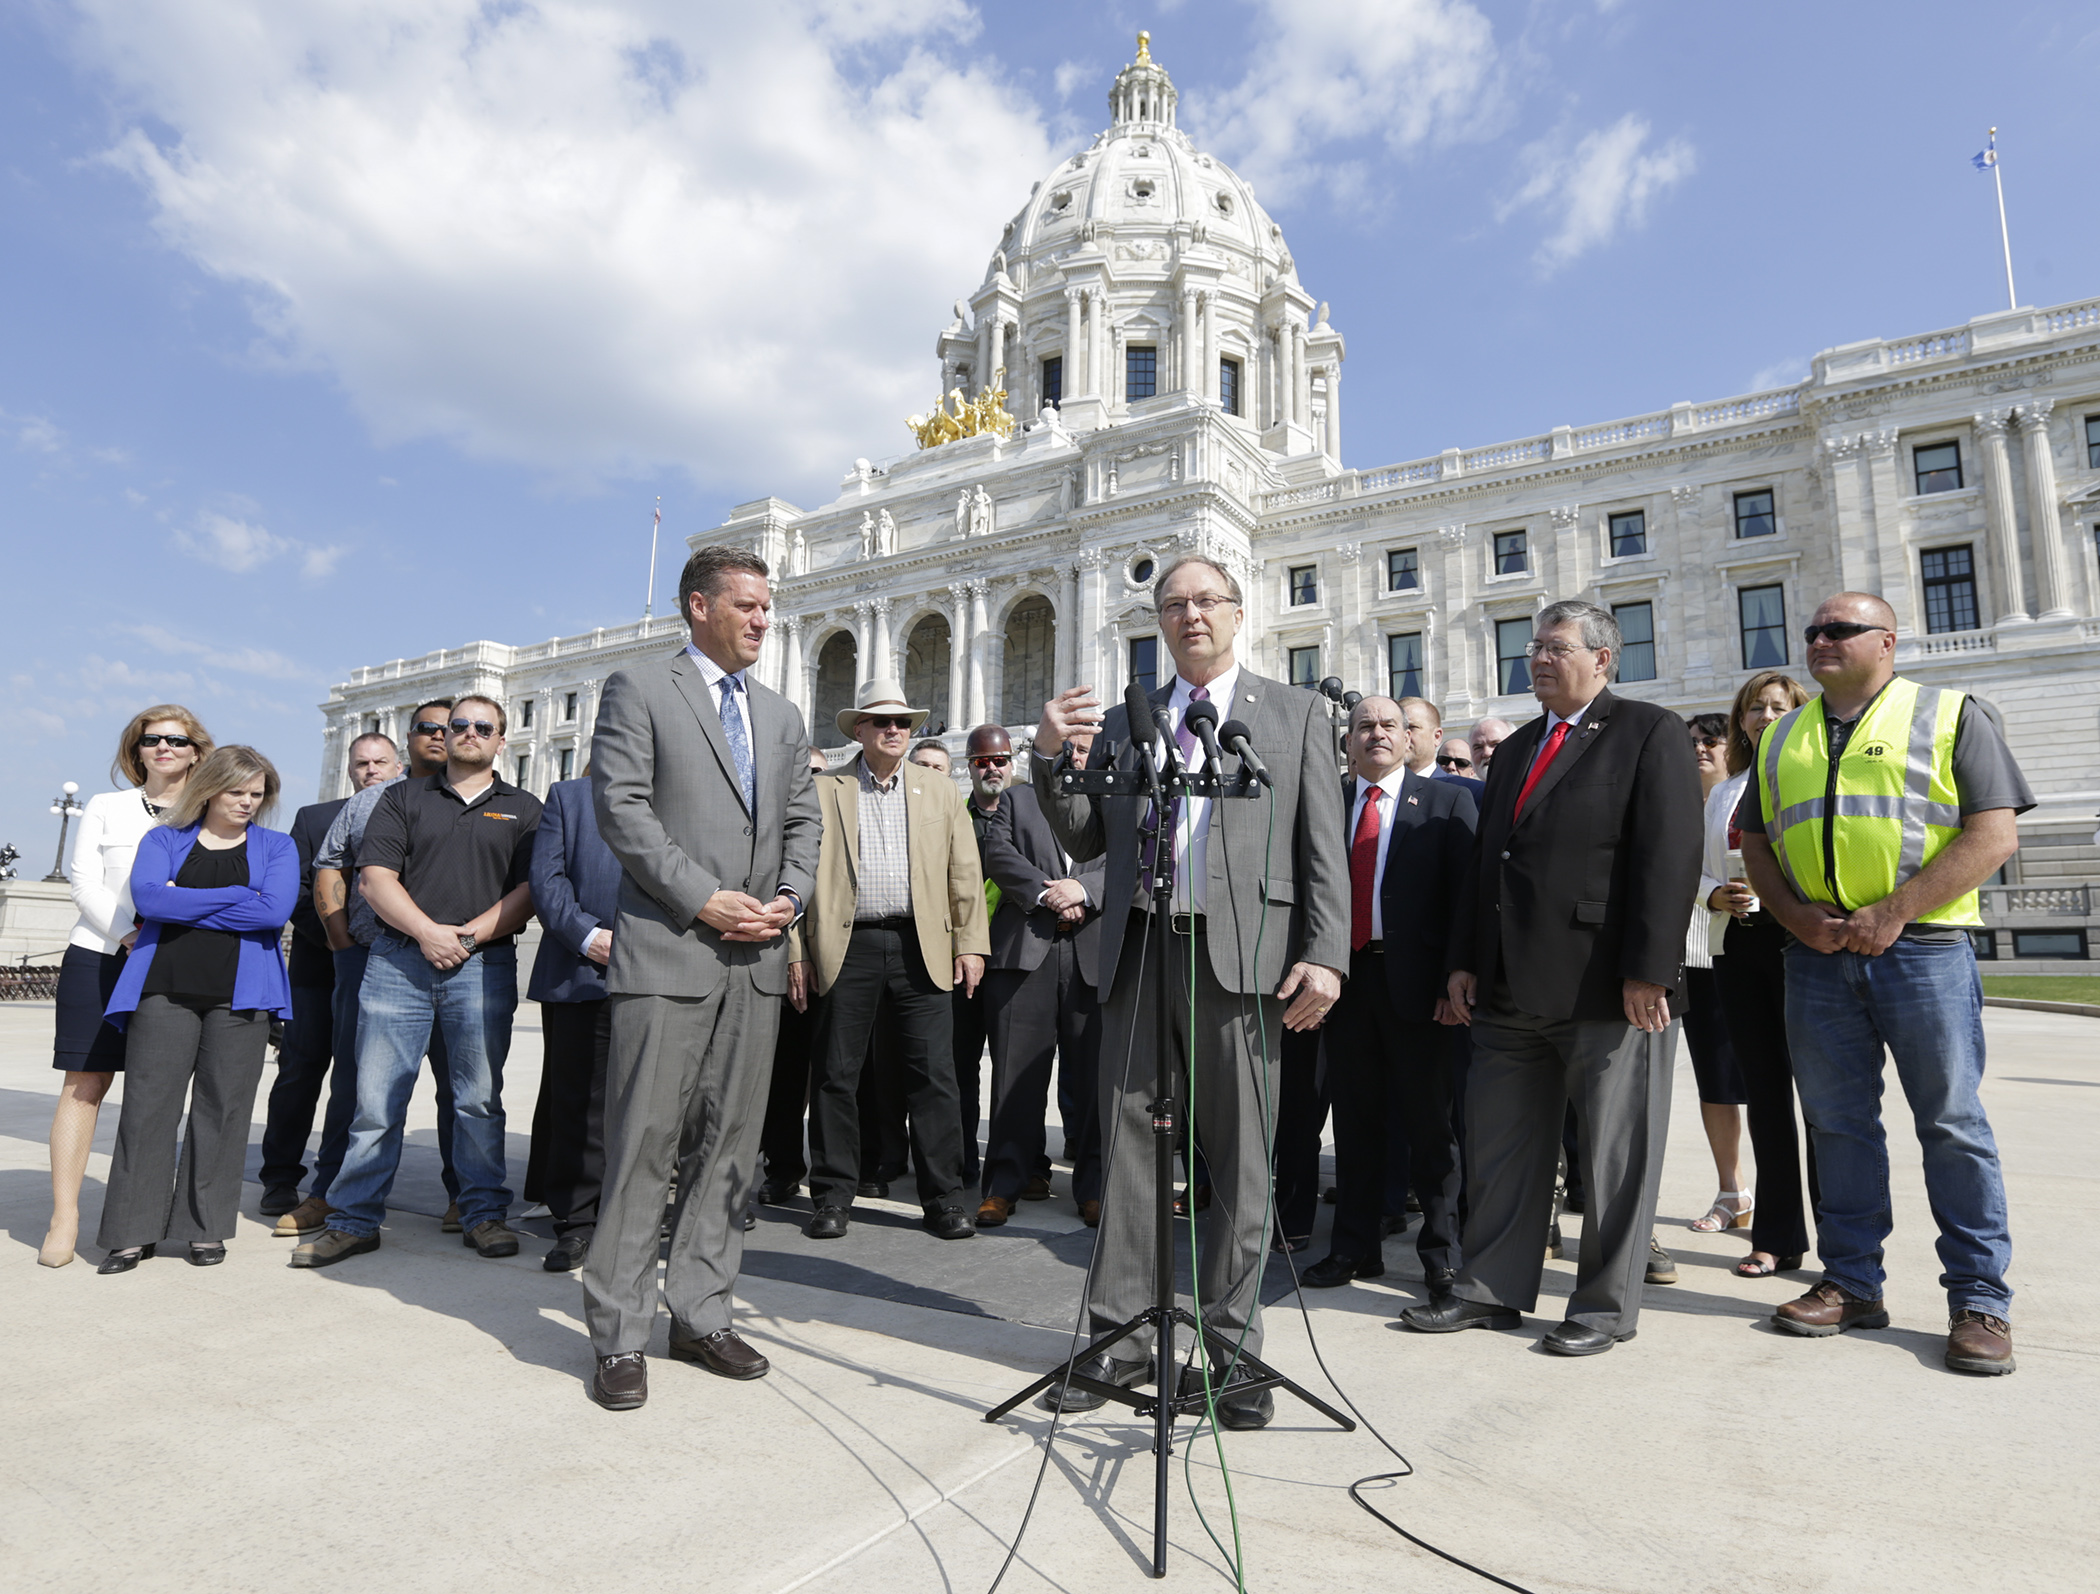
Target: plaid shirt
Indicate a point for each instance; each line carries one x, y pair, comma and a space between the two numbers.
885, 860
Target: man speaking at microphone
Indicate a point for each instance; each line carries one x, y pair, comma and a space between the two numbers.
1261, 889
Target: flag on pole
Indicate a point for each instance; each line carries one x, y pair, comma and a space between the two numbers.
1987, 157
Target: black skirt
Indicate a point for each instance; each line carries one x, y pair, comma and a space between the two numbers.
86, 1042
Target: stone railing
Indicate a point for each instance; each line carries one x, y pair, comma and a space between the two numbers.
496, 655
2057, 902
1928, 647
1933, 346
1619, 433
2072, 316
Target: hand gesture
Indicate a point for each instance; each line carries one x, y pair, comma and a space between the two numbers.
1073, 712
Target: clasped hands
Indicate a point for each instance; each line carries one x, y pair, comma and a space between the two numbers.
737, 916
1870, 931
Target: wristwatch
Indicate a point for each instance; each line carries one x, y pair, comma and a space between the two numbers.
466, 940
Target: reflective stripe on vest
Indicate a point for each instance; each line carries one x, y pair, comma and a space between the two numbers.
1852, 835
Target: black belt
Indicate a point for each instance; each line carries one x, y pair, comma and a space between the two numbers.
1179, 923
900, 922
1371, 946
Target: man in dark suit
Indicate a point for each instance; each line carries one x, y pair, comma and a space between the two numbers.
1261, 890
1410, 853
1567, 953
787, 1095
576, 892
700, 777
1038, 1001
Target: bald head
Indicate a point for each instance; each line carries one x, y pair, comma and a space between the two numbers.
1862, 608
1852, 651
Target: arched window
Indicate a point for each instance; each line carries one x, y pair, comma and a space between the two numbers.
834, 689
926, 657
1031, 654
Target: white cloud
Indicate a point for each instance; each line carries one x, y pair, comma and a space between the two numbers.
235, 545
1602, 184
319, 563
34, 434
1402, 73
242, 661
586, 237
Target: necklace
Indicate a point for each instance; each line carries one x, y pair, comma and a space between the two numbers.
148, 804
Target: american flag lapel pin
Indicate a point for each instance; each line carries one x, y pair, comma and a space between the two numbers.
1415, 801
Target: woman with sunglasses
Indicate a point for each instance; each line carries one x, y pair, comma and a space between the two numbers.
155, 754
214, 890
1751, 977
1720, 1080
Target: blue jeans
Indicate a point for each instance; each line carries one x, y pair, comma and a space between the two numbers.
342, 1089
1925, 1004
472, 1006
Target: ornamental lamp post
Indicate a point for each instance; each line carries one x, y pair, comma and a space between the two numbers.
65, 808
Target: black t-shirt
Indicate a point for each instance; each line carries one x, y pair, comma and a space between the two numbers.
456, 858
190, 960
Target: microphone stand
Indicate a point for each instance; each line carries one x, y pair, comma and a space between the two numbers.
1167, 787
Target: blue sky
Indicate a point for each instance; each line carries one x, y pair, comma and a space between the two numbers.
337, 333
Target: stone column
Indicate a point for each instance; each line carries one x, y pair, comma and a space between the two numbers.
1073, 338
863, 629
790, 662
979, 625
1063, 670
885, 651
958, 650
998, 352
1334, 411
1185, 343
982, 376
1998, 511
1209, 388
2052, 591
1301, 377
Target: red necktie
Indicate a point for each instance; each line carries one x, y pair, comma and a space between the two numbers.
1363, 871
1538, 766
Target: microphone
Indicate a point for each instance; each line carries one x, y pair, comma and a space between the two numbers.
1233, 733
1169, 743
1200, 719
1331, 688
1143, 733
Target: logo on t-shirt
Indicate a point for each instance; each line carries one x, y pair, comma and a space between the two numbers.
1875, 750
490, 813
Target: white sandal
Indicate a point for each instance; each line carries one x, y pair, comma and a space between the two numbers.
1721, 1216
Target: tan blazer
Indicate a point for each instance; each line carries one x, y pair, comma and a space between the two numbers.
947, 880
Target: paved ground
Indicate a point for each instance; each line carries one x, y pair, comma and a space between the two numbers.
415, 1420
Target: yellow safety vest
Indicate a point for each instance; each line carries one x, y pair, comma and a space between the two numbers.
1852, 835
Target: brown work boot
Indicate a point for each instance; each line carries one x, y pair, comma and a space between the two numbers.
330, 1246
449, 1223
308, 1217
1827, 1309
1979, 1343
492, 1237
994, 1211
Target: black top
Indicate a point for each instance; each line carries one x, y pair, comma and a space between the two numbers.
192, 961
456, 859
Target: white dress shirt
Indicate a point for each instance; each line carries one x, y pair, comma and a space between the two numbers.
1192, 830
714, 675
1388, 804
1573, 723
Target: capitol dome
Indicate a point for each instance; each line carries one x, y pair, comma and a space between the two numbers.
1143, 268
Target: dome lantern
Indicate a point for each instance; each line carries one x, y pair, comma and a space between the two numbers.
1143, 93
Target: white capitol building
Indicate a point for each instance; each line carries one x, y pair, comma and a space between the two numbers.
1180, 390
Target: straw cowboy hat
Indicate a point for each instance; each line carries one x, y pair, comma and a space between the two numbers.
878, 697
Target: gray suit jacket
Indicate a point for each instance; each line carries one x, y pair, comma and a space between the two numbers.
668, 803
1297, 907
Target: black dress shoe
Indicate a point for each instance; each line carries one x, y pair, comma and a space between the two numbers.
750, 1219
568, 1253
1103, 1369
1579, 1339
1454, 1314
1574, 1201
621, 1382
873, 1190
278, 1200
777, 1195
1334, 1268
205, 1255
828, 1224
950, 1223
723, 1352
125, 1260
1238, 1408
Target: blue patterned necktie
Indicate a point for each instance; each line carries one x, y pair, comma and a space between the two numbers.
739, 744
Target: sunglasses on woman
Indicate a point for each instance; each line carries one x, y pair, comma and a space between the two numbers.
161, 739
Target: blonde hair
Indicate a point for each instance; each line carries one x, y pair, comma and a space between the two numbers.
223, 769
129, 766
1742, 752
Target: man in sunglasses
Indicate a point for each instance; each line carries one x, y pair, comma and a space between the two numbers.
989, 753
1454, 761
1875, 813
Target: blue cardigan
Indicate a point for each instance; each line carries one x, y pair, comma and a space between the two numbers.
256, 911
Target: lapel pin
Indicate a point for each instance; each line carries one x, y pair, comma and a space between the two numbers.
1416, 801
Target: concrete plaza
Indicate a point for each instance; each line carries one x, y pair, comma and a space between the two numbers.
416, 1420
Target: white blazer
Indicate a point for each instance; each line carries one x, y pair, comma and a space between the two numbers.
99, 867
1713, 868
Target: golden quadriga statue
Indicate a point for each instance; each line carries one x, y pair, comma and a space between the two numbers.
983, 416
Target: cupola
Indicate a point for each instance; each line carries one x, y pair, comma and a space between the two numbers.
1143, 97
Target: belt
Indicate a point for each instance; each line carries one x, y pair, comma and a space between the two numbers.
1371, 946
1186, 923
900, 922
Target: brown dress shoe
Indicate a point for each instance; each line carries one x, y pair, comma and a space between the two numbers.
308, 1217
1038, 1188
1979, 1343
1826, 1309
621, 1382
1090, 1214
721, 1352
994, 1211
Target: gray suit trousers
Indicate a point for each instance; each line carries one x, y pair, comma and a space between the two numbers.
1525, 1071
1235, 1110
685, 1087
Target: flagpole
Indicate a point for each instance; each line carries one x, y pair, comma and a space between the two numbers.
656, 525
2012, 299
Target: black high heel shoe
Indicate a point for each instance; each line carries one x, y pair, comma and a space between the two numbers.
125, 1260
207, 1255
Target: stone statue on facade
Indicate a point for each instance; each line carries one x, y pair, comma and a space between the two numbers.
867, 535
885, 533
962, 514
980, 512
798, 554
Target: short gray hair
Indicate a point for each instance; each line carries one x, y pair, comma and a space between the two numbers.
1232, 586
1599, 629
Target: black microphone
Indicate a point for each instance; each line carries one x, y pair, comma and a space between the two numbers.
1169, 743
1234, 735
1200, 720
1332, 688
1138, 706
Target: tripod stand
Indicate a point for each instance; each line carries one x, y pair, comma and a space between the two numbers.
1166, 787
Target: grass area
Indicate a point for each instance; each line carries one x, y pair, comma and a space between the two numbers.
2045, 987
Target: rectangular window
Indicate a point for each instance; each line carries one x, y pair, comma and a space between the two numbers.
1753, 514
1229, 386
1140, 372
2048, 943
568, 707
1764, 627
1305, 668
525, 715
1511, 555
1403, 571
1938, 467
1144, 662
1950, 588
1305, 584
568, 764
2092, 442
1637, 633
1512, 668
1403, 664
518, 779
1054, 380
1629, 534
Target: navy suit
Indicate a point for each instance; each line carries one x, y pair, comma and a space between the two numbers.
576, 892
304, 1053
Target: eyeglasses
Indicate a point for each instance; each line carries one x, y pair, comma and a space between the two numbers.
1837, 631
478, 727
428, 728
161, 738
887, 722
1176, 608
1555, 651
1446, 761
995, 760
